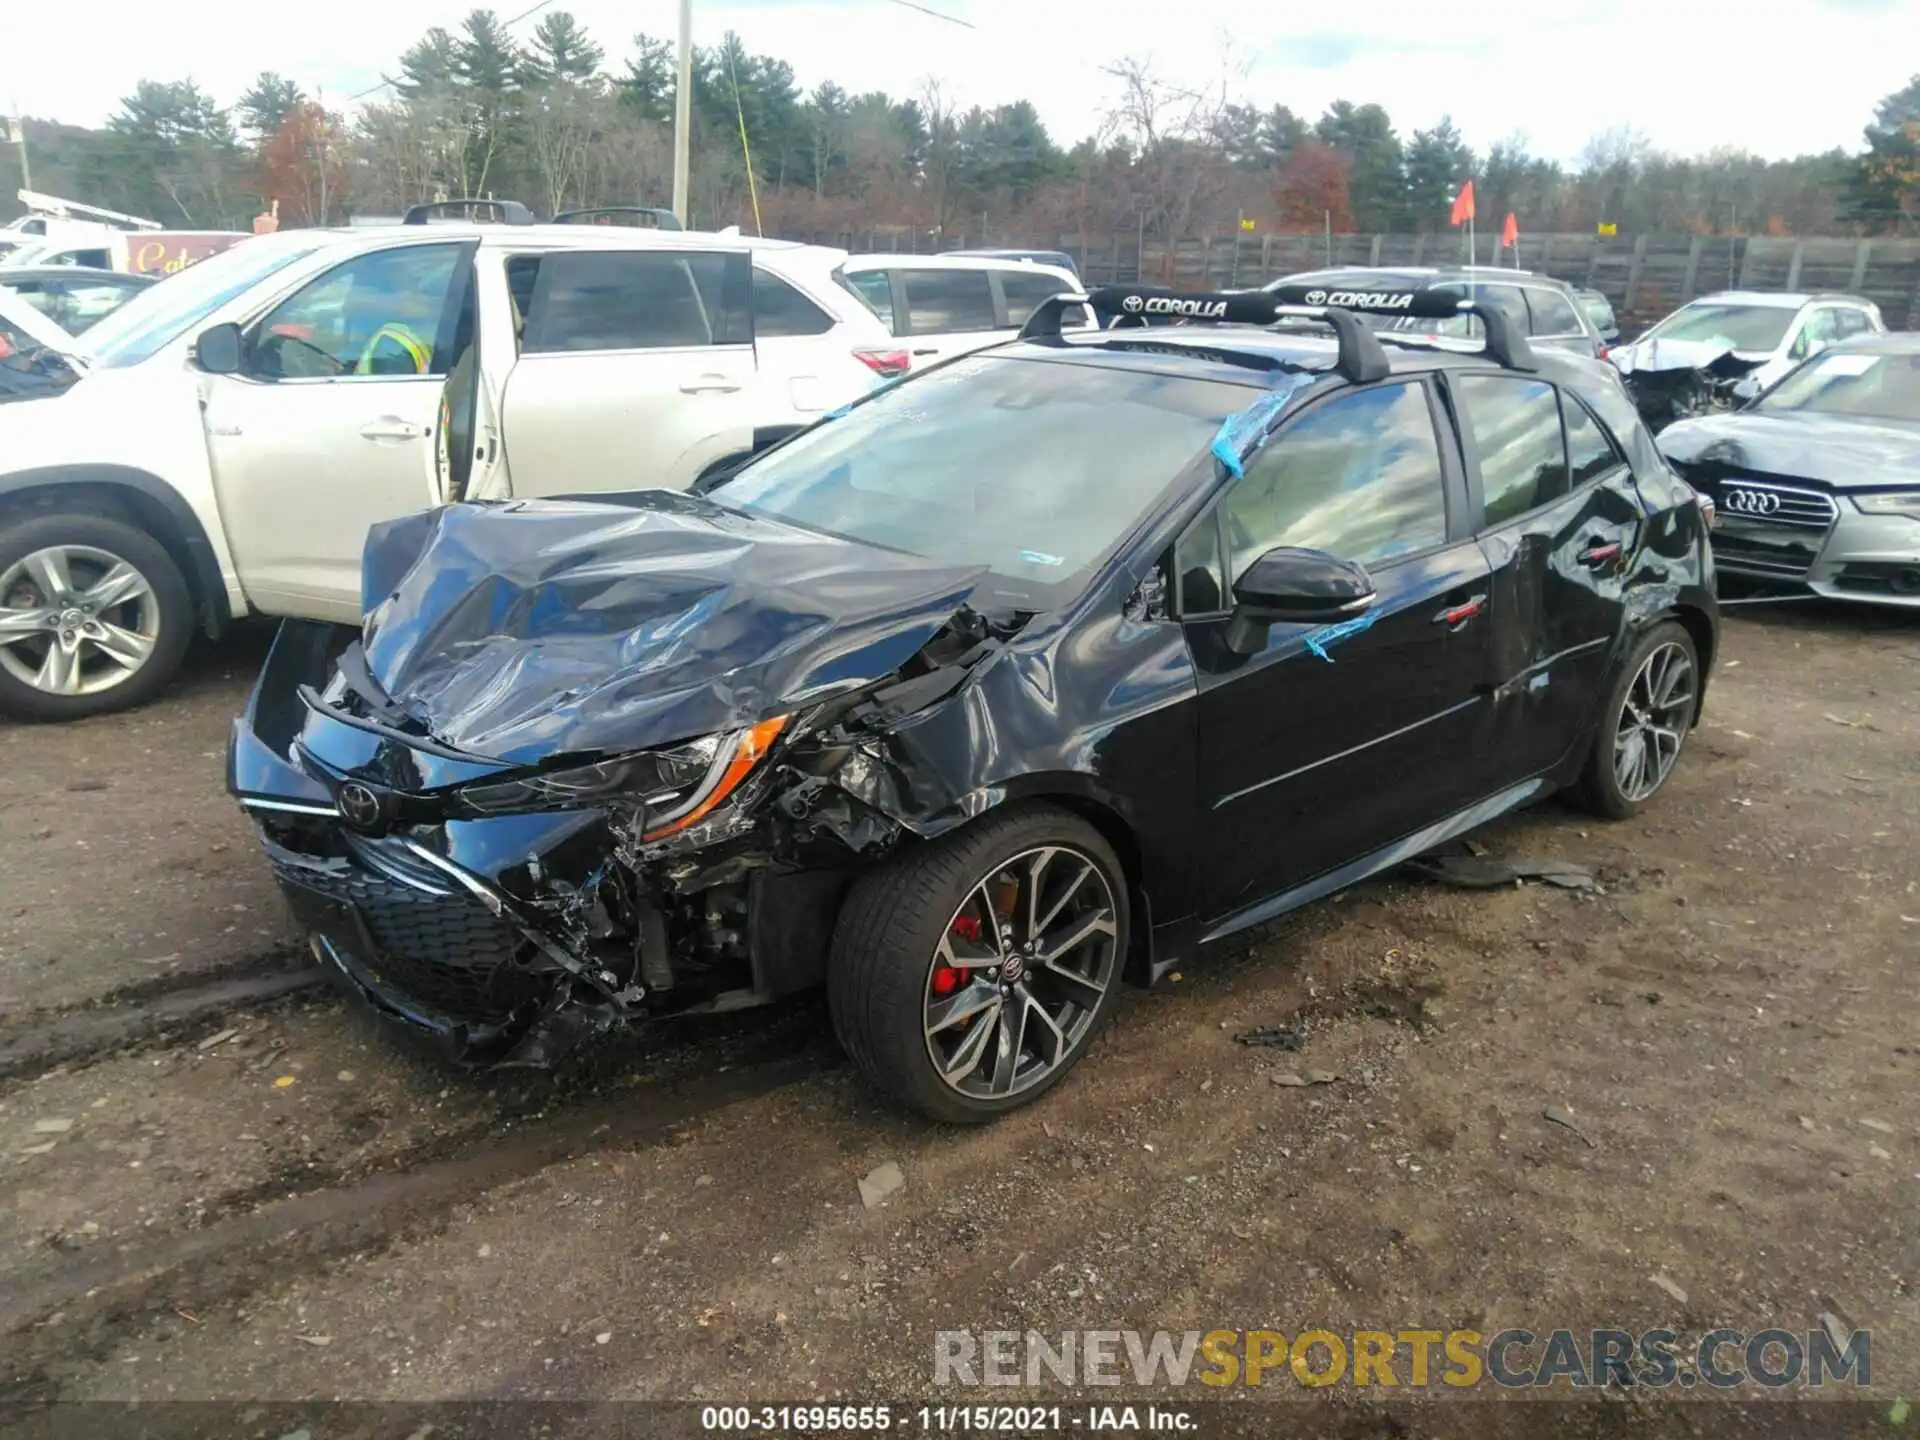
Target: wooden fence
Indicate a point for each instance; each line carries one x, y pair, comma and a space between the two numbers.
1645, 276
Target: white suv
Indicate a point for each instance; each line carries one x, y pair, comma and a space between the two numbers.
1776, 330
940, 306
236, 429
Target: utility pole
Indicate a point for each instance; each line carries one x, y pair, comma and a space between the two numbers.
20, 138
683, 115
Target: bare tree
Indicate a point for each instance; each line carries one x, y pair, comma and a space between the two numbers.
1174, 134
562, 122
943, 151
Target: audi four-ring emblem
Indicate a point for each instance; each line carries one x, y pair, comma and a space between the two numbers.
1741, 501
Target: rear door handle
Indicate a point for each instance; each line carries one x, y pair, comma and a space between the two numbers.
709, 385
1600, 552
392, 427
1454, 616
926, 352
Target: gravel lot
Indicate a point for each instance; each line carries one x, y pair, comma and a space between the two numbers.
262, 1199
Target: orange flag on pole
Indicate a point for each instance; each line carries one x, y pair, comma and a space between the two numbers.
1463, 204
1510, 232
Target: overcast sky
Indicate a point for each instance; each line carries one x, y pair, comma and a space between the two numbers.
1778, 78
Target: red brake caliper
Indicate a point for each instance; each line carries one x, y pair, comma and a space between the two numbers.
946, 979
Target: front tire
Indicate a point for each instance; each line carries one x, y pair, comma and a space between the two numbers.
94, 617
1644, 723
971, 973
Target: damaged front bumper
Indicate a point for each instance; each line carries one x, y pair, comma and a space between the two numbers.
509, 939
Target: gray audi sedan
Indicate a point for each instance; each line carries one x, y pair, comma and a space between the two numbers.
1817, 479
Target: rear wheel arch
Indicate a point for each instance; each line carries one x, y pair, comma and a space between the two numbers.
1699, 627
139, 498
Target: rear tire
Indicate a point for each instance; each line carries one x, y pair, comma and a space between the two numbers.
1645, 719
1005, 936
105, 595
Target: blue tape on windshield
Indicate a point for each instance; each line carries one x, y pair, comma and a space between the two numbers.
836, 414
1318, 640
1243, 433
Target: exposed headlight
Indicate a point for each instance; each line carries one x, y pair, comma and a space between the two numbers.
676, 786
1891, 502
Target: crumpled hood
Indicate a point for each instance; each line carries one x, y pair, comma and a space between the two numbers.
1655, 356
537, 628
1846, 454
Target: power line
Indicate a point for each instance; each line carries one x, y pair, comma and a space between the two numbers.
937, 14
506, 24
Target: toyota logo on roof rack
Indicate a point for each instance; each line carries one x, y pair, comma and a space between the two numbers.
1132, 304
1314, 297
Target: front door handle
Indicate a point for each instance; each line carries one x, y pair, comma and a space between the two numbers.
1599, 552
1454, 616
392, 427
709, 385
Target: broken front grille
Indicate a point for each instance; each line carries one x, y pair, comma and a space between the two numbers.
438, 947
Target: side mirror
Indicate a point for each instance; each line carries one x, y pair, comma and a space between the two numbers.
221, 350
1291, 586
1746, 390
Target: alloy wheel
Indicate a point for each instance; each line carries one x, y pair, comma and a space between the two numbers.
76, 620
1654, 717
1019, 972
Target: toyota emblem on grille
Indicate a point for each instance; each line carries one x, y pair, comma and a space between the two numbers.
1742, 501
360, 807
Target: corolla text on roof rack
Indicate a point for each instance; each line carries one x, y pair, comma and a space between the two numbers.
1361, 299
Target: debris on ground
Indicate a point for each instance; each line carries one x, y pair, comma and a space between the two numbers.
317, 1341
1666, 1284
1473, 872
1274, 1037
1564, 1119
880, 1182
1882, 1126
1289, 1079
58, 1126
220, 1039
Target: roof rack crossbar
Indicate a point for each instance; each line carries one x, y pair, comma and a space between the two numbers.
662, 219
497, 212
1361, 358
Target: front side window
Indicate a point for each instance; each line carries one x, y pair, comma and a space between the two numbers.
1357, 476
378, 314
1599, 311
1515, 426
638, 300
779, 309
1553, 313
1821, 330
946, 302
1034, 469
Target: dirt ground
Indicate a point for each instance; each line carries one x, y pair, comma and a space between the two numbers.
271, 1203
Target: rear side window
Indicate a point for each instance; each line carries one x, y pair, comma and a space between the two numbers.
637, 300
942, 302
779, 309
1516, 431
875, 291
1357, 476
1553, 313
1590, 454
1025, 290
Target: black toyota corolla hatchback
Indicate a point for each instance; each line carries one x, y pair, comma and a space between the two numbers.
1037, 673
